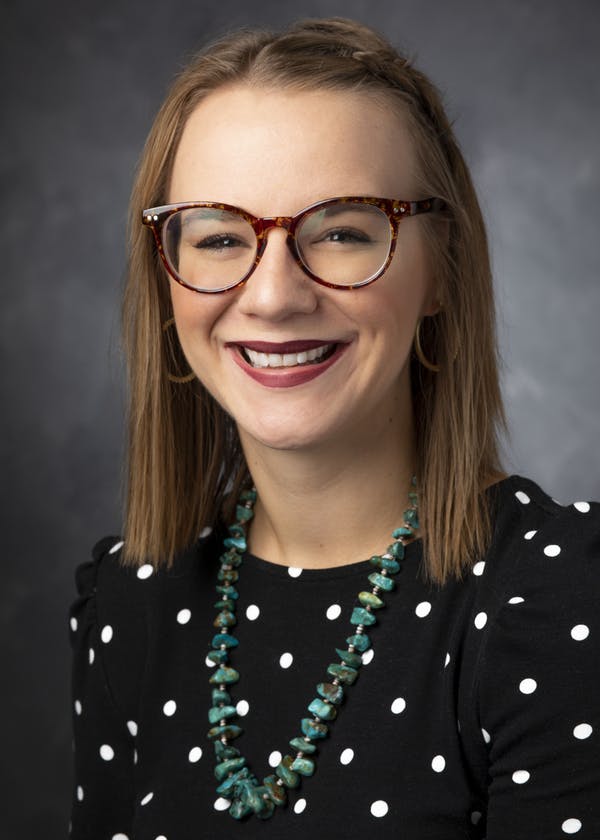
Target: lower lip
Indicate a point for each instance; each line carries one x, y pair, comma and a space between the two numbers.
288, 377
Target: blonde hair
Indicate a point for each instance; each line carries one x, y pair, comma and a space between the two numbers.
184, 451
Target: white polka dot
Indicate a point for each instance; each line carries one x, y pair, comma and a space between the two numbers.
252, 614
368, 656
183, 616
480, 620
527, 686
478, 568
209, 662
399, 705
299, 806
522, 497
91, 656
475, 817
438, 763
552, 550
77, 707
116, 547
423, 609
169, 708
582, 731
145, 571
195, 754
135, 756
582, 507
221, 804
580, 632
106, 634
333, 612
520, 777
447, 660
379, 808
275, 758
294, 571
571, 826
516, 600
242, 707
79, 793
530, 535
120, 837
160, 837
486, 735
73, 624
285, 660
347, 756
147, 798
133, 727
106, 752
205, 532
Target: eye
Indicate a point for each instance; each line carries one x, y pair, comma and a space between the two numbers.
345, 236
220, 242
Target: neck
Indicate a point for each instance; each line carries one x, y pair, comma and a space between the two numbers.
331, 505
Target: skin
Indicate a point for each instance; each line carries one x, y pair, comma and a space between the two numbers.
329, 457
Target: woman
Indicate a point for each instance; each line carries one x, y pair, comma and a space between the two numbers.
310, 333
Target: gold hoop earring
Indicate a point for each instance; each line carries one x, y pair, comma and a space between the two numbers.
178, 379
419, 351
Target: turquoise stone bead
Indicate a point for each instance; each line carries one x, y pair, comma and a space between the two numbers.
385, 583
414, 497
386, 563
304, 766
224, 639
225, 604
322, 710
362, 616
360, 641
330, 692
300, 744
235, 542
268, 806
230, 591
239, 809
224, 676
219, 657
226, 787
225, 619
344, 673
367, 599
248, 495
402, 532
243, 514
396, 549
228, 575
217, 713
349, 658
223, 751
236, 531
250, 795
276, 792
312, 729
288, 776
411, 518
229, 731
228, 766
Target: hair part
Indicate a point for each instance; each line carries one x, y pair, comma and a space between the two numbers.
185, 462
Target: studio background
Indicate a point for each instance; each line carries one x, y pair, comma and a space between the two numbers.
81, 84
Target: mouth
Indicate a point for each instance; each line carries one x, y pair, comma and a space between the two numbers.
291, 358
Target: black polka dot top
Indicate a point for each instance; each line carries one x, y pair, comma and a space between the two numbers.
476, 713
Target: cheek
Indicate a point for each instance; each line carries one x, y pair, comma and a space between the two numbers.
195, 316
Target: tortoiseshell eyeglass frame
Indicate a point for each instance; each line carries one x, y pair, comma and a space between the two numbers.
395, 209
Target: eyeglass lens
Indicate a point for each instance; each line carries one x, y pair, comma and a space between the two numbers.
212, 249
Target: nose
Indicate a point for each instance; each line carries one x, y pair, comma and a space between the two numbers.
278, 288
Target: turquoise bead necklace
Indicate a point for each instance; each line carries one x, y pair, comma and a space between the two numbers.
237, 783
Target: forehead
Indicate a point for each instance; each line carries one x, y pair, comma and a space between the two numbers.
274, 151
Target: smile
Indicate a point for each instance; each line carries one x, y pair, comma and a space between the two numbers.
286, 364
275, 360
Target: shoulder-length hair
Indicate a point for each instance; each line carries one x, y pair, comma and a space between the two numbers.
184, 458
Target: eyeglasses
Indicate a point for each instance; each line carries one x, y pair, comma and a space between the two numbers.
342, 243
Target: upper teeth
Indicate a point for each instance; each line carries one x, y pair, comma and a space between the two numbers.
285, 359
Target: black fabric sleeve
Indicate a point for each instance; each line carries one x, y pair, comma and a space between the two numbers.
106, 626
539, 691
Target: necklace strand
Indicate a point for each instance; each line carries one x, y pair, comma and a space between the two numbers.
237, 784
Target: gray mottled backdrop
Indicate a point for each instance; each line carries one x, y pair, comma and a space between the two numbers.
80, 84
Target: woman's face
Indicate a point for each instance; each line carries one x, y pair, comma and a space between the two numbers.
272, 153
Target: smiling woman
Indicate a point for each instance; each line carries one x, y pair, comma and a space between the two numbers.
314, 408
